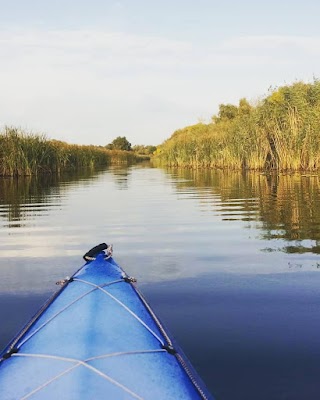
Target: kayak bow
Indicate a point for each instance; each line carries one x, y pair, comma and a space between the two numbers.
97, 338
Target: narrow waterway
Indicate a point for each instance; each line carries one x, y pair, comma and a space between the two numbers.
229, 261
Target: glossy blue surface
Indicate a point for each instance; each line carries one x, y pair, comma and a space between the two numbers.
72, 350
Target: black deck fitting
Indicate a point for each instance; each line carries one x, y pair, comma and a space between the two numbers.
170, 349
10, 352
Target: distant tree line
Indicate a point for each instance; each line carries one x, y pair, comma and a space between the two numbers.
122, 143
281, 132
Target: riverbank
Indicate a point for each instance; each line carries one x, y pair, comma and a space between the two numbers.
23, 154
279, 132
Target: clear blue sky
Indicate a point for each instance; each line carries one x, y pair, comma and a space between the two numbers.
86, 72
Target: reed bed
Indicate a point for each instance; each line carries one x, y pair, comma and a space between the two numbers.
23, 154
281, 132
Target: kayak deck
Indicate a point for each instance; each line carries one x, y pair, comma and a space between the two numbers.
96, 338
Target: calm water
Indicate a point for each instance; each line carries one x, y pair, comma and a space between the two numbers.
230, 263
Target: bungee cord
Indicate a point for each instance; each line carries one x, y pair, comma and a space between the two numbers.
166, 344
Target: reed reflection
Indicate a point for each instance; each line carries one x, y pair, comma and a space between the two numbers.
25, 198
284, 207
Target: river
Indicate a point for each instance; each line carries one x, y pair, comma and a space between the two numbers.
229, 261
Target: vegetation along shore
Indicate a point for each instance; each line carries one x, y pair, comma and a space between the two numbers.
23, 154
280, 132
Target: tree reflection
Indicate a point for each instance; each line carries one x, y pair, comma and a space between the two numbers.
121, 177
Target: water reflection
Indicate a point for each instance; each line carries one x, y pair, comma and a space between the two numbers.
193, 239
282, 206
27, 198
121, 177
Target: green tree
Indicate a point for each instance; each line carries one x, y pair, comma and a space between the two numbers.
227, 112
145, 150
119, 143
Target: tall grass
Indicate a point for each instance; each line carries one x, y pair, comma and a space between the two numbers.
23, 154
281, 132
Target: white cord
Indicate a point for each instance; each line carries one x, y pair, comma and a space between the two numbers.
109, 252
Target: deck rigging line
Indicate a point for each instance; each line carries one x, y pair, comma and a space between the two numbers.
124, 306
166, 344
84, 363
65, 308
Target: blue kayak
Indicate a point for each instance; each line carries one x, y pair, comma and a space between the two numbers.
97, 338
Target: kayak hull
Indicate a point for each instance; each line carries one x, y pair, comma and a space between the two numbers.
97, 338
